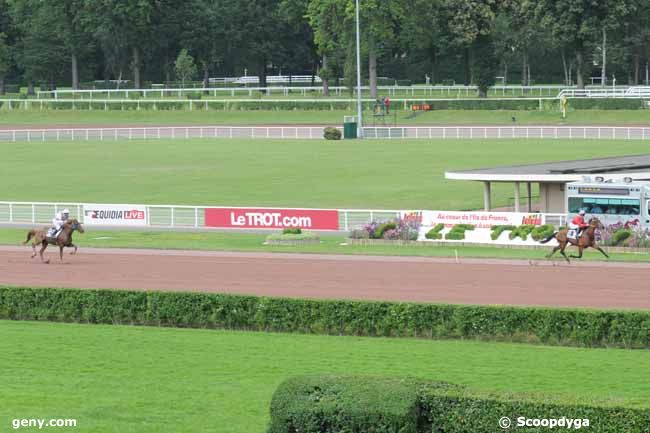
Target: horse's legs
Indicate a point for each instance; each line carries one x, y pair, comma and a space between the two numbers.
43, 246
601, 250
563, 254
61, 252
33, 250
580, 249
72, 253
548, 256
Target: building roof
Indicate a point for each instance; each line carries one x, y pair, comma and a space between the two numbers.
635, 166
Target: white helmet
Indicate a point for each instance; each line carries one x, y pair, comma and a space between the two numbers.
65, 212
582, 212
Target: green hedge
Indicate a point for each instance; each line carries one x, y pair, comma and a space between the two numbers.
483, 104
605, 104
570, 327
333, 404
434, 233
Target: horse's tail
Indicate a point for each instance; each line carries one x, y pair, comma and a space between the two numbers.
548, 238
30, 235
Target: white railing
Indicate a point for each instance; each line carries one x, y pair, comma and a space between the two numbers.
506, 132
636, 92
423, 90
165, 132
177, 216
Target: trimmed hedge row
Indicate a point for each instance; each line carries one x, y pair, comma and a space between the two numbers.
329, 404
568, 327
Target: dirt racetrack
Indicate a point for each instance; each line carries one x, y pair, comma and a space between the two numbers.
472, 281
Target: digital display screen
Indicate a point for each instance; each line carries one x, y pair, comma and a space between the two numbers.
597, 190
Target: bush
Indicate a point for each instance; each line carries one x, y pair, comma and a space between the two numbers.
621, 236
497, 230
483, 104
522, 232
572, 327
434, 233
542, 232
292, 231
324, 404
193, 95
457, 232
605, 104
292, 238
383, 228
332, 133
334, 404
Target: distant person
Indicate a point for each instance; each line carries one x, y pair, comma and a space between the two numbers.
386, 104
596, 209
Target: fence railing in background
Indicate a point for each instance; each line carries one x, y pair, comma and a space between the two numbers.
316, 132
177, 216
422, 90
635, 92
168, 132
506, 132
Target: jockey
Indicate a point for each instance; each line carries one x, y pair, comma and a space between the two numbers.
60, 219
578, 222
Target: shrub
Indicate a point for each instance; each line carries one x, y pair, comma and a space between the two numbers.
497, 230
522, 231
382, 228
457, 232
620, 236
291, 231
542, 232
334, 404
574, 327
193, 95
329, 404
434, 233
292, 237
605, 104
332, 133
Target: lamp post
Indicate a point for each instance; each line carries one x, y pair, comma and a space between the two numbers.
359, 120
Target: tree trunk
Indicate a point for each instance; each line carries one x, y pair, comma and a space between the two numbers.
528, 80
372, 71
119, 79
603, 71
636, 68
466, 66
30, 88
325, 77
2, 85
505, 73
566, 70
136, 68
579, 79
523, 68
75, 72
434, 66
263, 76
206, 75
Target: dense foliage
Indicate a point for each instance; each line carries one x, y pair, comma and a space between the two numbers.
72, 42
329, 404
573, 327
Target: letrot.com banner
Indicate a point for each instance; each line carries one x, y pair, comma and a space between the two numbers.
115, 215
259, 218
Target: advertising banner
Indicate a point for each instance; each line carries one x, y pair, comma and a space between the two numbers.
261, 218
115, 214
481, 220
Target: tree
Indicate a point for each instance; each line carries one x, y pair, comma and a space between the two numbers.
184, 66
5, 61
326, 19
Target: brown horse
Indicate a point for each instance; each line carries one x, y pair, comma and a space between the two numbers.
63, 240
587, 239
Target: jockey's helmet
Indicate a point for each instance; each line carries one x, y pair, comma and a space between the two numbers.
582, 212
65, 212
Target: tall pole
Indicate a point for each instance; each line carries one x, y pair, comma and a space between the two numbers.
359, 120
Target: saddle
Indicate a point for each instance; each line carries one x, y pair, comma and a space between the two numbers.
52, 234
573, 234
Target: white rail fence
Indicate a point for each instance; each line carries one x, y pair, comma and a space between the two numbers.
162, 216
457, 90
636, 92
166, 132
316, 132
185, 217
506, 132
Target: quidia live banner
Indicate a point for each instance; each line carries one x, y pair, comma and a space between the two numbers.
115, 215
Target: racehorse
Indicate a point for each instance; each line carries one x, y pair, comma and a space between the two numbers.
587, 239
64, 239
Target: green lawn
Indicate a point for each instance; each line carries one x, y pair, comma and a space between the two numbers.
251, 242
35, 118
379, 174
133, 379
